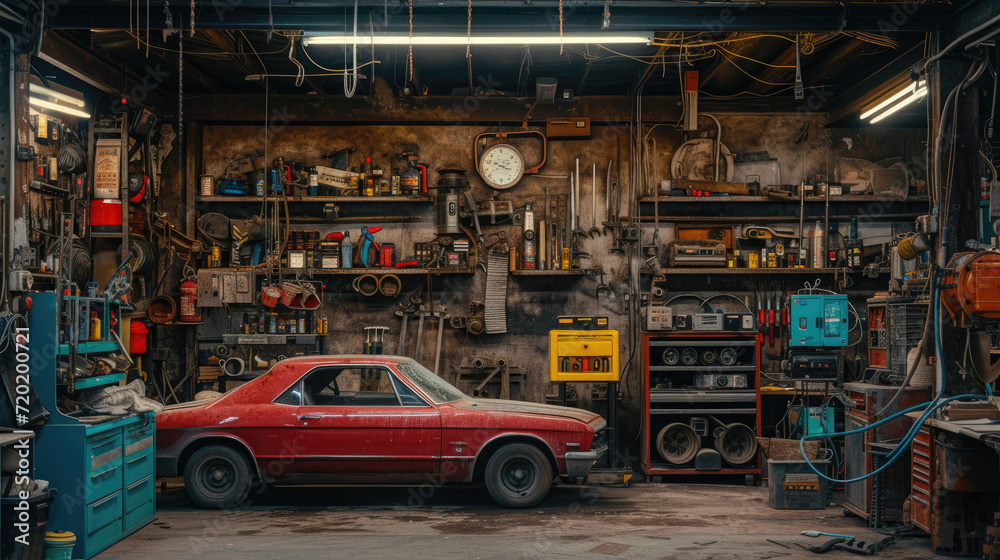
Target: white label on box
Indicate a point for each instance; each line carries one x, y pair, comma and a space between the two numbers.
107, 167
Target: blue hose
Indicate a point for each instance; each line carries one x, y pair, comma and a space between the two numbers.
936, 403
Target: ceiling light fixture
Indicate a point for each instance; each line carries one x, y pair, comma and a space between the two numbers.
38, 102
35, 88
644, 38
913, 92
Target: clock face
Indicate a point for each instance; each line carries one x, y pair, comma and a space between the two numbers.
501, 166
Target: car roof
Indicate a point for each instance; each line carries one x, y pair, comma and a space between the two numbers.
345, 359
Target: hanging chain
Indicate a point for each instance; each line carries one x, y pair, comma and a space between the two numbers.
560, 27
409, 53
468, 33
180, 98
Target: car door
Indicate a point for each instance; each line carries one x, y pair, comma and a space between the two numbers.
364, 420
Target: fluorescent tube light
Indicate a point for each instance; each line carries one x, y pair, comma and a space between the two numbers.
35, 88
916, 95
913, 92
637, 38
56, 107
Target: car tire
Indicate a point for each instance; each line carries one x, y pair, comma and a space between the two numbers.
217, 477
518, 475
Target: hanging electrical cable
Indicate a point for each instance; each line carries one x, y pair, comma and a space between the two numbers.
351, 78
301, 75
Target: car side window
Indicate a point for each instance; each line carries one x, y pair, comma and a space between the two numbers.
368, 386
292, 396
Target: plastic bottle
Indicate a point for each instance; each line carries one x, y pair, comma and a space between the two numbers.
345, 251
817, 249
95, 327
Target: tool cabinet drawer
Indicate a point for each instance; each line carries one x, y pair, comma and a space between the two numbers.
139, 437
140, 501
139, 466
104, 522
103, 461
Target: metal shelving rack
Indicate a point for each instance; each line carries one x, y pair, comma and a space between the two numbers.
670, 398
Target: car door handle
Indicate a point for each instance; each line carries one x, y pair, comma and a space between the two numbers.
304, 417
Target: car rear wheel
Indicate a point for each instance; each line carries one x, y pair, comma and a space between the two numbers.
518, 476
217, 477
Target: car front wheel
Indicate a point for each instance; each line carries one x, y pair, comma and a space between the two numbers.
518, 476
217, 477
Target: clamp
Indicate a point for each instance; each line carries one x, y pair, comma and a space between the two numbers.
368, 243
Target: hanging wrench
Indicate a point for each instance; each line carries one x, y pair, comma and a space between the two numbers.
593, 203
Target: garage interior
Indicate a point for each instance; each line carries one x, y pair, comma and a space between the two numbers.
758, 238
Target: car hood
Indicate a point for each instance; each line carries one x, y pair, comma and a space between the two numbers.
497, 405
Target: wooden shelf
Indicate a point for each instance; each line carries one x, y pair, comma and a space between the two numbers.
270, 339
809, 199
748, 209
553, 272
761, 271
375, 271
317, 198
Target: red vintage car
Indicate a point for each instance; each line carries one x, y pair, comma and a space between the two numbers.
370, 419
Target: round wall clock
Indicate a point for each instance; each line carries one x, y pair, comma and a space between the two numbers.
501, 166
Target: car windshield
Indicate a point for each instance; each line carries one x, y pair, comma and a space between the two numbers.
439, 390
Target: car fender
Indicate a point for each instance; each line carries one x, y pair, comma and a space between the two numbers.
550, 454
200, 437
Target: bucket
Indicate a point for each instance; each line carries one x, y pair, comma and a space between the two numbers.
290, 292
137, 337
106, 214
161, 309
310, 299
269, 296
59, 545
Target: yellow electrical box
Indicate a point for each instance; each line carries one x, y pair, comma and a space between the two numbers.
583, 355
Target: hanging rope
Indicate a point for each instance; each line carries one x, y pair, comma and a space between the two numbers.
468, 33
191, 17
409, 53
147, 28
180, 98
270, 21
560, 27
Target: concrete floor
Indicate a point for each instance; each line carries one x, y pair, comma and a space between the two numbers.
664, 521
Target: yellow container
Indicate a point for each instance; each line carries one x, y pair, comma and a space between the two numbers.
583, 355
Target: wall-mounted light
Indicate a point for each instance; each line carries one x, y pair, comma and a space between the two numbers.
41, 90
910, 93
57, 96
38, 102
644, 38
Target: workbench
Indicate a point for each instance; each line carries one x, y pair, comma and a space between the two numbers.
955, 488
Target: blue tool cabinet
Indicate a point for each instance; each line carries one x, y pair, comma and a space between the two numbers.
102, 466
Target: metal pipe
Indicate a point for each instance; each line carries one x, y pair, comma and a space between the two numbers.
402, 335
718, 143
437, 350
420, 333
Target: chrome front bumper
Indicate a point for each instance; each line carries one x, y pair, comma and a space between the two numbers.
578, 463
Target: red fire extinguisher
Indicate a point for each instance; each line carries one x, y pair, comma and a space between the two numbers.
189, 301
